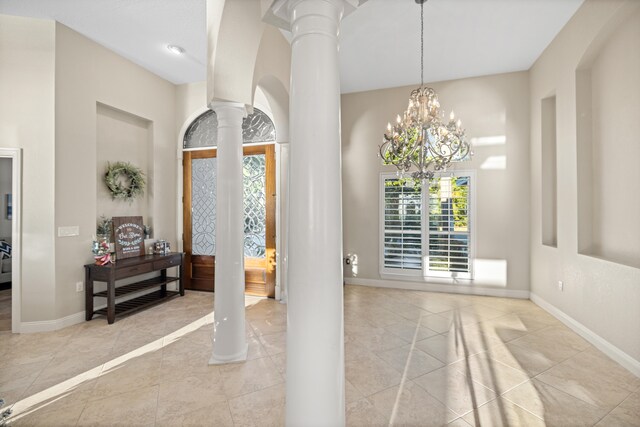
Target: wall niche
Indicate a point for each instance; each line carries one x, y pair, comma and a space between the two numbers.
608, 151
549, 173
122, 136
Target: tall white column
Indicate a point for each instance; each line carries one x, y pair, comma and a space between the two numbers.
229, 340
315, 337
284, 221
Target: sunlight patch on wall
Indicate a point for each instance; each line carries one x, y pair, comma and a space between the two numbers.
487, 141
494, 163
490, 272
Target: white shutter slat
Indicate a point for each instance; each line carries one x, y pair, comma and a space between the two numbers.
402, 213
448, 229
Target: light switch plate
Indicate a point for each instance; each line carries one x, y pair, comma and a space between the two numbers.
73, 230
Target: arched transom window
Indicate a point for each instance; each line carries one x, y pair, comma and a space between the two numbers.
203, 131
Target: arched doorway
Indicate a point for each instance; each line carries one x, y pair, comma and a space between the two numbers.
199, 204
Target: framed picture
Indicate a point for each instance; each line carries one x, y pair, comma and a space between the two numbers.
9, 205
128, 233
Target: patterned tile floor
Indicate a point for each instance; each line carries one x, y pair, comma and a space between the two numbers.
412, 359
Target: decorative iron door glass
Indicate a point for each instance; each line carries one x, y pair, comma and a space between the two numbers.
203, 205
255, 209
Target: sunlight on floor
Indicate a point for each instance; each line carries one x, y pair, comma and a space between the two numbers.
411, 358
52, 394
403, 379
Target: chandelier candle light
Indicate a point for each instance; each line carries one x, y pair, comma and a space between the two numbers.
420, 137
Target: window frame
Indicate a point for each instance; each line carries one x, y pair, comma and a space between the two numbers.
395, 271
424, 272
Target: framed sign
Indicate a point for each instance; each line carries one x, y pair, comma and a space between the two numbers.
128, 234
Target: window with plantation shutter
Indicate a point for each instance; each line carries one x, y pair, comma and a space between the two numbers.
448, 231
402, 224
426, 228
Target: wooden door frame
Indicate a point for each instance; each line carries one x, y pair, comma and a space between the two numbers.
186, 207
270, 204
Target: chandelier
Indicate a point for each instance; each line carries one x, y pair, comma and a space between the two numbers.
421, 137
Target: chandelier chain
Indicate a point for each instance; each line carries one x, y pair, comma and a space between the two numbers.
421, 137
421, 44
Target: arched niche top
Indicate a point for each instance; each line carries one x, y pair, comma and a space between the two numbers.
203, 131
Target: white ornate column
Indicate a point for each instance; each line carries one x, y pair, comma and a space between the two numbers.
315, 337
229, 339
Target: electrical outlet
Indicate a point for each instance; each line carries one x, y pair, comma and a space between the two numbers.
79, 286
560, 286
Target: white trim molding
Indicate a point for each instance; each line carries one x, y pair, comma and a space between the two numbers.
51, 325
600, 343
465, 287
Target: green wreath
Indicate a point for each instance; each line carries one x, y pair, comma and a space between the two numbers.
124, 180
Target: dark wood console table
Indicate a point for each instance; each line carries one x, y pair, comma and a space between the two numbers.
130, 267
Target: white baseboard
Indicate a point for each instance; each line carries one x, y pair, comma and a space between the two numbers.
467, 289
51, 325
600, 343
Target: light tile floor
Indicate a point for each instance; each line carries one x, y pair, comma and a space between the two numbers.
412, 359
5, 310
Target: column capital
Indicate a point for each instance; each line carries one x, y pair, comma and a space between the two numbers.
279, 14
220, 105
229, 114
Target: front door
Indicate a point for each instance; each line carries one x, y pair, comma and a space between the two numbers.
259, 219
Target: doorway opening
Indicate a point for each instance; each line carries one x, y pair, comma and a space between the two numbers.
259, 194
10, 238
6, 213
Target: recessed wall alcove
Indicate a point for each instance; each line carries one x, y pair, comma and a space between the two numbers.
549, 172
122, 136
608, 144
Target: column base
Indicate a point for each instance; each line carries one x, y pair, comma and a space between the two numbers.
234, 358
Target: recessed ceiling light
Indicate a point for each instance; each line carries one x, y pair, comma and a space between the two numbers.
177, 50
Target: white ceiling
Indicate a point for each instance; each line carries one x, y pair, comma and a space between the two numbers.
139, 30
379, 42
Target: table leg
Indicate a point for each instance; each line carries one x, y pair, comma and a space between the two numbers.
163, 287
111, 297
181, 272
88, 294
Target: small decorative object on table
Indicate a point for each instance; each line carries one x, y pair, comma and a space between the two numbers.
101, 252
161, 247
103, 228
128, 232
147, 231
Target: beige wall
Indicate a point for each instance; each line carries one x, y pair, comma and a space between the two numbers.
27, 60
614, 112
603, 296
88, 74
489, 106
191, 101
